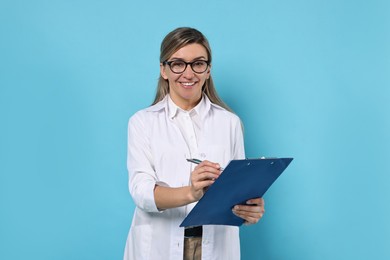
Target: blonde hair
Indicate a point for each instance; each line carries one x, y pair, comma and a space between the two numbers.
176, 40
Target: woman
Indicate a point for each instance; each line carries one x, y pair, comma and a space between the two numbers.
186, 120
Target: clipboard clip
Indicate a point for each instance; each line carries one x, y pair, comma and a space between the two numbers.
263, 157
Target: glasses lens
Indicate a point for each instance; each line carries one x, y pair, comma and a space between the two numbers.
199, 66
178, 66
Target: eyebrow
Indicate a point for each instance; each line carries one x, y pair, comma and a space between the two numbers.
197, 58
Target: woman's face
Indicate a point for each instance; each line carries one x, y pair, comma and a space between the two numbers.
185, 88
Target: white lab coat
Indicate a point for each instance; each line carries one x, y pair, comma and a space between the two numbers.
157, 154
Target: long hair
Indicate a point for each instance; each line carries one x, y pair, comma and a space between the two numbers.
176, 40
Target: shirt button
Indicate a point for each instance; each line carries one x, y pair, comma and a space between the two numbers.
203, 155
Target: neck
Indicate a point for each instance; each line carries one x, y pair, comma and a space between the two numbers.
186, 104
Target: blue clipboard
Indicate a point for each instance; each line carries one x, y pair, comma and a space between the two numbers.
240, 180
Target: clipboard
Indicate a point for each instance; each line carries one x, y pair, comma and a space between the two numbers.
240, 180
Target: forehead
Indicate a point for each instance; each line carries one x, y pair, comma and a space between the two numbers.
190, 52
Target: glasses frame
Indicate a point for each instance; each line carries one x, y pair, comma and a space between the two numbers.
186, 63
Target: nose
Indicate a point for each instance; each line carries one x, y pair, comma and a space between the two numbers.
188, 73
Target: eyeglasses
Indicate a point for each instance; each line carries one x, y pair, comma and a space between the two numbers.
179, 66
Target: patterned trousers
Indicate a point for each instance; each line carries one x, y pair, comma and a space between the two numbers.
192, 248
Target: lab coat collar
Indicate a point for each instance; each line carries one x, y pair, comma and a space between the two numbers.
203, 108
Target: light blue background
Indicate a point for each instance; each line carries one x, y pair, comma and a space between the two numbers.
310, 79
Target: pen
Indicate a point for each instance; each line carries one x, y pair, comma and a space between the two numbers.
197, 161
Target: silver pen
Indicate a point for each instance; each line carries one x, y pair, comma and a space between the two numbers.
197, 161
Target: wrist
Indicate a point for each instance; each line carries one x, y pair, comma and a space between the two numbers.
190, 195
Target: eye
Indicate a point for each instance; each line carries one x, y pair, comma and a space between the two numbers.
200, 63
178, 64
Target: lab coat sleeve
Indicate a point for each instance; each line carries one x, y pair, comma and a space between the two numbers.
238, 147
142, 177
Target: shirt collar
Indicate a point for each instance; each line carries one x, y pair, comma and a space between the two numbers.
166, 103
173, 109
201, 109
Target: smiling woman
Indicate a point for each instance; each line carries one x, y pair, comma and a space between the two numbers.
172, 43
186, 84
186, 120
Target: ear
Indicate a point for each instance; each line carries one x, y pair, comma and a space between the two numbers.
162, 72
208, 71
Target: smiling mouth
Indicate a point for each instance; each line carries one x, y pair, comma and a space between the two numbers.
187, 84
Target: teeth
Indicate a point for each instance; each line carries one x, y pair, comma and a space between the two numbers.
188, 83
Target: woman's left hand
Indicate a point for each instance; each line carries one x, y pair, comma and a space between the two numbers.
252, 212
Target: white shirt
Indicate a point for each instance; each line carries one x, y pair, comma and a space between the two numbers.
157, 153
189, 124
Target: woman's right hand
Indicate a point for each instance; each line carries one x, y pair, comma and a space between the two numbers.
202, 177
